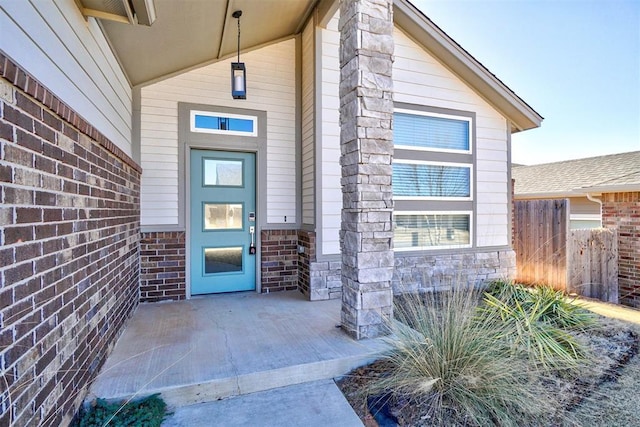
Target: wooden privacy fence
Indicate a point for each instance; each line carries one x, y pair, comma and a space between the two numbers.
584, 262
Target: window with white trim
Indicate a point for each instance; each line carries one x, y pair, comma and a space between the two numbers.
432, 180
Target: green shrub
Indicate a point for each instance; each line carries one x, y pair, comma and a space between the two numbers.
147, 412
553, 305
539, 318
447, 357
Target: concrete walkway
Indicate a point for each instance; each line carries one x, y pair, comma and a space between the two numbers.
318, 403
614, 311
216, 347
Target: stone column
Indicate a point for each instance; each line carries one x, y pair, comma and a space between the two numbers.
366, 142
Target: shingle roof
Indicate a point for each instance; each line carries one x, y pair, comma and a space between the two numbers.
593, 174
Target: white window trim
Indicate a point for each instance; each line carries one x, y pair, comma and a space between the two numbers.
435, 248
586, 217
444, 116
424, 162
193, 128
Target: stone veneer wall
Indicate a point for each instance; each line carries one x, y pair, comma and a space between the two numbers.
622, 211
162, 266
422, 273
366, 151
326, 280
69, 251
435, 272
279, 260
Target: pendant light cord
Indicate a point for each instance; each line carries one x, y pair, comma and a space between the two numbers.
238, 39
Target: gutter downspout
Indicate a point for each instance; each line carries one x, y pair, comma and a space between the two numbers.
598, 201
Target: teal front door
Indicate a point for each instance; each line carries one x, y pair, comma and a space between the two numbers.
223, 219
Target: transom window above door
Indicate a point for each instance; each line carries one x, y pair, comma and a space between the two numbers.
223, 123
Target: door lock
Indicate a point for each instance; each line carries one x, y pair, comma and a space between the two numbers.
252, 246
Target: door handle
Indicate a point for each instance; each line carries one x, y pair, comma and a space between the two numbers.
252, 246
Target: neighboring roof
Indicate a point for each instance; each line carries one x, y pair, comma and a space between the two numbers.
612, 173
462, 63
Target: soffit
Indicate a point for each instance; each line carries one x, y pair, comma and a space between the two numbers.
189, 33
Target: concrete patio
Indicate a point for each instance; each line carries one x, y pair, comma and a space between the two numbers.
213, 347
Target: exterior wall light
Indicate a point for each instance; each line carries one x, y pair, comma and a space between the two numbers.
238, 70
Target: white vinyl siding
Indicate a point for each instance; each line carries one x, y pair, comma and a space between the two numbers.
270, 87
420, 79
71, 57
329, 175
308, 135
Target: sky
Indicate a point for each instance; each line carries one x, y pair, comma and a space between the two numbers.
576, 62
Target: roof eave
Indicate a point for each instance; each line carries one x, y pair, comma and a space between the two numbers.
459, 61
614, 188
549, 195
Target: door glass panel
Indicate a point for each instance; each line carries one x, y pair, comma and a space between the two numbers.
222, 260
218, 173
222, 216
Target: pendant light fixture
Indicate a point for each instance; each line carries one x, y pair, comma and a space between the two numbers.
238, 71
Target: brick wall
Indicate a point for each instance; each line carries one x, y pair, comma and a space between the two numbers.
162, 266
513, 213
279, 260
622, 211
69, 251
306, 240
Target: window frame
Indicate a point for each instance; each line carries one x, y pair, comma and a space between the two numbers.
429, 205
470, 213
435, 163
467, 119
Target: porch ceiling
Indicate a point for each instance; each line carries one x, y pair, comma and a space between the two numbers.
188, 33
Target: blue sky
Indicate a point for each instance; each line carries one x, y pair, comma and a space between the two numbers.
576, 62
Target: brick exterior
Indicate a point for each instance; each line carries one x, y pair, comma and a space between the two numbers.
162, 266
279, 260
307, 240
69, 251
622, 211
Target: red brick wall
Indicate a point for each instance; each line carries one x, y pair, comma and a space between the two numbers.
69, 251
279, 260
162, 266
622, 211
306, 239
